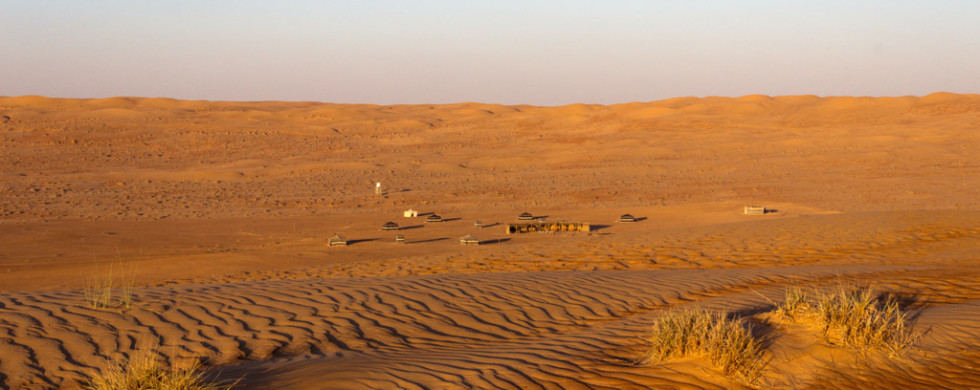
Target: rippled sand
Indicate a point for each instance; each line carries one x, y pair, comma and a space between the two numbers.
216, 215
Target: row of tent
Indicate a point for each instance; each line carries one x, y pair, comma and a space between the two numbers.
469, 239
338, 240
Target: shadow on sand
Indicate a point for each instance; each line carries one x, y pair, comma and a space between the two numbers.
429, 240
497, 241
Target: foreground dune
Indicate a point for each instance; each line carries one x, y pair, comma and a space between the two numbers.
543, 329
211, 218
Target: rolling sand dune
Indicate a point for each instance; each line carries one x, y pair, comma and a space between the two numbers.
213, 218
506, 330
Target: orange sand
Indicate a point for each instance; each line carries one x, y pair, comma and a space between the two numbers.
217, 214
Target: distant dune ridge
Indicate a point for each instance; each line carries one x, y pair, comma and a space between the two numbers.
93, 146
211, 221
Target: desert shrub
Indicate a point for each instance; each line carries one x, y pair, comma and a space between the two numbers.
146, 372
853, 317
796, 303
858, 318
727, 343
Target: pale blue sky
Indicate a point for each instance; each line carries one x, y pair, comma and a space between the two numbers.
511, 52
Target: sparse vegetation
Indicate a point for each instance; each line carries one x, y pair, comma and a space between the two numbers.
727, 343
146, 372
852, 317
128, 286
99, 289
796, 302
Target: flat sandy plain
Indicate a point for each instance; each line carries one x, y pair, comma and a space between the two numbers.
215, 216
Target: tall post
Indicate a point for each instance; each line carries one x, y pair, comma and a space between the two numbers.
377, 188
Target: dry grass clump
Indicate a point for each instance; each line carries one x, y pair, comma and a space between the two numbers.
99, 289
146, 372
727, 343
853, 317
795, 304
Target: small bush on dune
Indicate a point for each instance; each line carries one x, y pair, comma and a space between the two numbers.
858, 318
727, 343
146, 372
852, 317
796, 303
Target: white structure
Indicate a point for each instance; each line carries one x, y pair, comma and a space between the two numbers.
469, 240
755, 210
411, 213
337, 240
377, 188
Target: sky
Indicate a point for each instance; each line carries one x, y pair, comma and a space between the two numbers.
508, 52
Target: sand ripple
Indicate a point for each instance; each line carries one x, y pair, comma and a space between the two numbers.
500, 330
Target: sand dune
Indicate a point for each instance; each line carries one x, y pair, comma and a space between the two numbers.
506, 330
214, 216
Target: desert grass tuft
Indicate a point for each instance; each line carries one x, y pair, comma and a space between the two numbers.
795, 304
100, 289
146, 372
727, 343
853, 317
128, 285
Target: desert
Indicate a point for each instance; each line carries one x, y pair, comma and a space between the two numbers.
197, 231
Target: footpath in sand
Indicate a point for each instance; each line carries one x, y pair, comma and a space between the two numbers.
211, 219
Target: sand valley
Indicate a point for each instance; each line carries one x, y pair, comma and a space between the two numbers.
210, 222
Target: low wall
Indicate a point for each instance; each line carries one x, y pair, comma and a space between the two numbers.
532, 227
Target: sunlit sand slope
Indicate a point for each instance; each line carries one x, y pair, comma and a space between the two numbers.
510, 330
215, 217
132, 158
